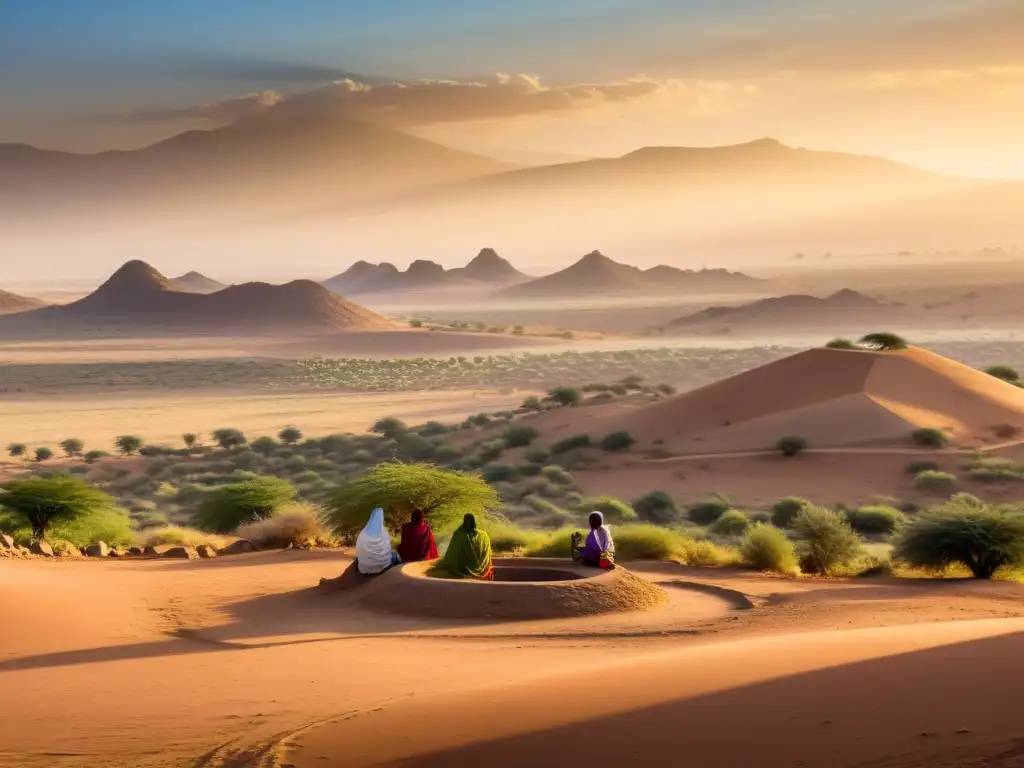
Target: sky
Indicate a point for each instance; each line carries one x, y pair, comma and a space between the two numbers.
934, 83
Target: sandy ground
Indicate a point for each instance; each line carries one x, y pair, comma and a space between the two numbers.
238, 662
162, 417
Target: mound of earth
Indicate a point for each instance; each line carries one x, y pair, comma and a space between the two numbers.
833, 399
411, 590
12, 303
137, 299
196, 282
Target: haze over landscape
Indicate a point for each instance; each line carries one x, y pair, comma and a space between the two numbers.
745, 278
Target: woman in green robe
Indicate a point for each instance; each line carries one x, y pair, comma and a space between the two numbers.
469, 553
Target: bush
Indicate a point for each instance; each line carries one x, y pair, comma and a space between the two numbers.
877, 519
617, 441
840, 344
264, 445
558, 476
538, 455
917, 467
964, 531
791, 445
17, 450
433, 429
444, 495
297, 525
826, 541
414, 447
615, 512
1004, 372
43, 454
492, 450
93, 456
784, 511
519, 435
656, 507
226, 508
108, 524
190, 440
732, 522
766, 548
128, 445
532, 404
178, 536
506, 537
995, 469
229, 438
665, 389
935, 482
930, 438
708, 511
72, 447
571, 444
42, 502
883, 342
565, 396
499, 473
389, 427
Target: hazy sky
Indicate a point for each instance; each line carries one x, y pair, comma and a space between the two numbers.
937, 83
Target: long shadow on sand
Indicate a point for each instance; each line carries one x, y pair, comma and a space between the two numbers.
941, 707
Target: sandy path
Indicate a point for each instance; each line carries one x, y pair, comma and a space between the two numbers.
162, 417
154, 663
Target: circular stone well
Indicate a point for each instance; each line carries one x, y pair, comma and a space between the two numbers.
523, 589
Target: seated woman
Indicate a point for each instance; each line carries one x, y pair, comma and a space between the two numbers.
417, 540
469, 553
599, 550
373, 547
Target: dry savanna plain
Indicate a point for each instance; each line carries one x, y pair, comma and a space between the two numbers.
820, 541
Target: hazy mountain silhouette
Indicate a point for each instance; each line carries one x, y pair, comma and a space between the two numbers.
138, 300
595, 273
488, 267
11, 303
362, 277
196, 282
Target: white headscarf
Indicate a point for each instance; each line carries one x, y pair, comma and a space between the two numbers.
373, 547
603, 535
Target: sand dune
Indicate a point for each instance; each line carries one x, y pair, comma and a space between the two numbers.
12, 303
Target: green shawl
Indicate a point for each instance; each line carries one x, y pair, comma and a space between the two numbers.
469, 554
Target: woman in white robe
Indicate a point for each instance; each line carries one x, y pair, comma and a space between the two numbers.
373, 546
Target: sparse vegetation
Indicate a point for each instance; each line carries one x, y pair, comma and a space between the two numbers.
877, 520
841, 344
41, 502
72, 447
883, 342
935, 482
617, 441
129, 445
791, 445
929, 437
965, 531
656, 507
708, 511
519, 435
565, 396
289, 435
390, 427
1004, 372
732, 522
994, 469
571, 444
784, 511
17, 450
766, 548
917, 467
615, 511
825, 540
228, 438
43, 454
227, 507
294, 525
190, 440
180, 536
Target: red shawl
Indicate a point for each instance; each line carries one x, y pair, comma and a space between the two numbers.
417, 540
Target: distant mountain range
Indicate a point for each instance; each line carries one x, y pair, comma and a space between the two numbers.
137, 300
11, 303
196, 282
596, 274
487, 268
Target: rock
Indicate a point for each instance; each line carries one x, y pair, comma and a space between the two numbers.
6, 542
22, 550
119, 552
41, 548
238, 547
136, 551
99, 549
150, 552
182, 553
205, 551
70, 550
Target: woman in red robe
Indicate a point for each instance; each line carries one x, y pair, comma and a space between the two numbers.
417, 540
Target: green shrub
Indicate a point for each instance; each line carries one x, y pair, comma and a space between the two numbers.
665, 389
389, 427
506, 537
935, 482
840, 344
178, 536
526, 469
226, 508
708, 511
128, 445
656, 507
43, 454
289, 435
362, 456
790, 445
492, 450
264, 445
1004, 372
444, 495
766, 548
40, 503
228, 438
732, 522
109, 525
617, 441
538, 455
571, 444
72, 447
498, 473
930, 438
877, 519
558, 476
93, 456
565, 396
615, 511
433, 429
17, 450
883, 342
519, 435
994, 469
826, 541
917, 467
784, 511
532, 404
414, 447
965, 531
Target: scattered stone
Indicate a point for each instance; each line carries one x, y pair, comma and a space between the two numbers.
238, 547
6, 542
99, 549
70, 550
41, 548
150, 552
182, 553
205, 551
136, 551
119, 552
22, 550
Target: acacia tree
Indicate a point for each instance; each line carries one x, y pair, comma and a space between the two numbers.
39, 502
227, 507
128, 445
1004, 372
229, 438
398, 488
17, 450
289, 435
190, 439
883, 342
72, 447
43, 454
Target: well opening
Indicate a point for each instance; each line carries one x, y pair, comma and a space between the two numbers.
528, 574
